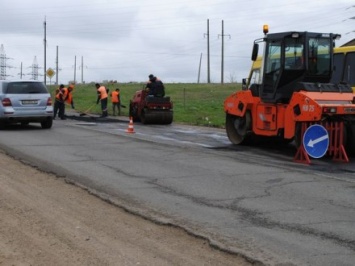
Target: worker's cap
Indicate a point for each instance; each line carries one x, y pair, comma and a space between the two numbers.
151, 76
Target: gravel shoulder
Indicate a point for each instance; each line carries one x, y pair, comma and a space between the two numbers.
46, 221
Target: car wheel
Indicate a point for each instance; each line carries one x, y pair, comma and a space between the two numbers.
47, 123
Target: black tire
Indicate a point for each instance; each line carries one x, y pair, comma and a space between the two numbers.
168, 118
46, 124
238, 128
2, 125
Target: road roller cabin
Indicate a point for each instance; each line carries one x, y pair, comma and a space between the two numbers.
343, 69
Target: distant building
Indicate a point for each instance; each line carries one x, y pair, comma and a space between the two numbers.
350, 43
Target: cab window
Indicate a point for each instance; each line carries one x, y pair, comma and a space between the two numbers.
349, 70
319, 56
294, 53
338, 68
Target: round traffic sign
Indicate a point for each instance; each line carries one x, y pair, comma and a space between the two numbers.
316, 141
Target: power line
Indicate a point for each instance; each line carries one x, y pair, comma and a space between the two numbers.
208, 51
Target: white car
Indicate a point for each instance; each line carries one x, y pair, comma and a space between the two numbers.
25, 102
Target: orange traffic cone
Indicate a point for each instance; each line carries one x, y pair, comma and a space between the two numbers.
130, 128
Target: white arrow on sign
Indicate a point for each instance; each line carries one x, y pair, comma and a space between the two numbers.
312, 142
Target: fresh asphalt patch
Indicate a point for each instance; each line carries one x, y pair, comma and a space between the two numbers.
96, 119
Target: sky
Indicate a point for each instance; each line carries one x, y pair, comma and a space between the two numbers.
126, 40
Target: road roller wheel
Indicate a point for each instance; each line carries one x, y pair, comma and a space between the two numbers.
238, 128
168, 118
130, 110
156, 117
144, 117
133, 112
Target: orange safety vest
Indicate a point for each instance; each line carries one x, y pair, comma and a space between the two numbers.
103, 92
69, 99
62, 94
115, 97
65, 93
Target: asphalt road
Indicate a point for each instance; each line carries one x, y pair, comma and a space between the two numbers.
254, 201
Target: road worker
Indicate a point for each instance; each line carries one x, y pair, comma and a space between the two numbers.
69, 99
116, 102
155, 87
102, 94
59, 104
65, 97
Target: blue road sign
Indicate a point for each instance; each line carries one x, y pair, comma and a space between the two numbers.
316, 141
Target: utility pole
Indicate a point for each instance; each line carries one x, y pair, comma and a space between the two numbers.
199, 69
21, 73
222, 63
45, 51
56, 67
75, 70
82, 70
208, 51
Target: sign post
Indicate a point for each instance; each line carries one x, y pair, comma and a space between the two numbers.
50, 73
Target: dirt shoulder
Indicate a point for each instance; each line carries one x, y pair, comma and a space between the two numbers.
45, 221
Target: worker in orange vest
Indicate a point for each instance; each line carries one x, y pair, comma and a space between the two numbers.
102, 96
65, 91
59, 104
116, 103
69, 99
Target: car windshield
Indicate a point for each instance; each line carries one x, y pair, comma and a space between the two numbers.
25, 88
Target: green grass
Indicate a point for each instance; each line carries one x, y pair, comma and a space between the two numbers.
194, 104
